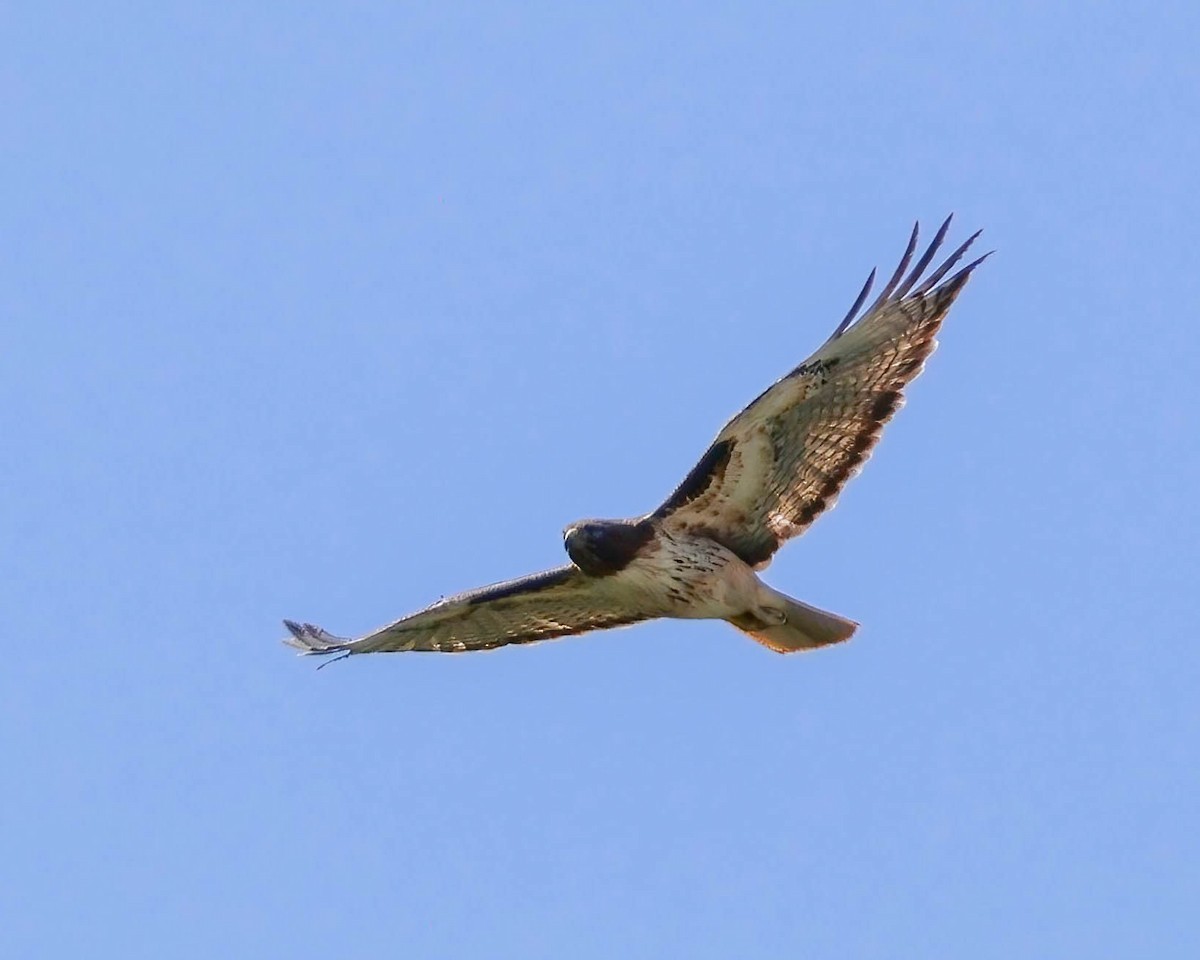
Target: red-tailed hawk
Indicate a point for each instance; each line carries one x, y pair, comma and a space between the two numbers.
770, 472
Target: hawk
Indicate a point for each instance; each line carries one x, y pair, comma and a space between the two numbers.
768, 475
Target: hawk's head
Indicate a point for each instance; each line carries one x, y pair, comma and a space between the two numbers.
601, 547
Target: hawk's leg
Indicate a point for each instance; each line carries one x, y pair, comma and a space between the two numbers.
772, 616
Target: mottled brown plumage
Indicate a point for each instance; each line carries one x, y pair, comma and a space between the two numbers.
770, 472
783, 460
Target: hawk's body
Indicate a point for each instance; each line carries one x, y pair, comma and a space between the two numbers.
770, 472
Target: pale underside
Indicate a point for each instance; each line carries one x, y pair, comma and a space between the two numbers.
770, 472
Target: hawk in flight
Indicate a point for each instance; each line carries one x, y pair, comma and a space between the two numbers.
770, 472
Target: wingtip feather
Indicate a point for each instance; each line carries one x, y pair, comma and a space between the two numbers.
903, 282
934, 278
312, 640
898, 274
858, 302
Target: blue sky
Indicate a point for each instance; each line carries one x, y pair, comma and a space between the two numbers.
324, 311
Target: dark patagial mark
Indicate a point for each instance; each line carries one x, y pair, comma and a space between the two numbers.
516, 588
603, 547
707, 472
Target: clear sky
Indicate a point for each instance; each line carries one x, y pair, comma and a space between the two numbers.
323, 311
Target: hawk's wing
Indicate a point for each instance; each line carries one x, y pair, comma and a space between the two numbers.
554, 603
784, 459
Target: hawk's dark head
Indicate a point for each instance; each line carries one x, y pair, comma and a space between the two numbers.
601, 547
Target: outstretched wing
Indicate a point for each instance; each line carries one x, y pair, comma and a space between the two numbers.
555, 603
785, 458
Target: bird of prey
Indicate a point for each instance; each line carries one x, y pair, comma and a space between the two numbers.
769, 473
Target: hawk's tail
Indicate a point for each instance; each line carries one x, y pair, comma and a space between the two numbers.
804, 628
